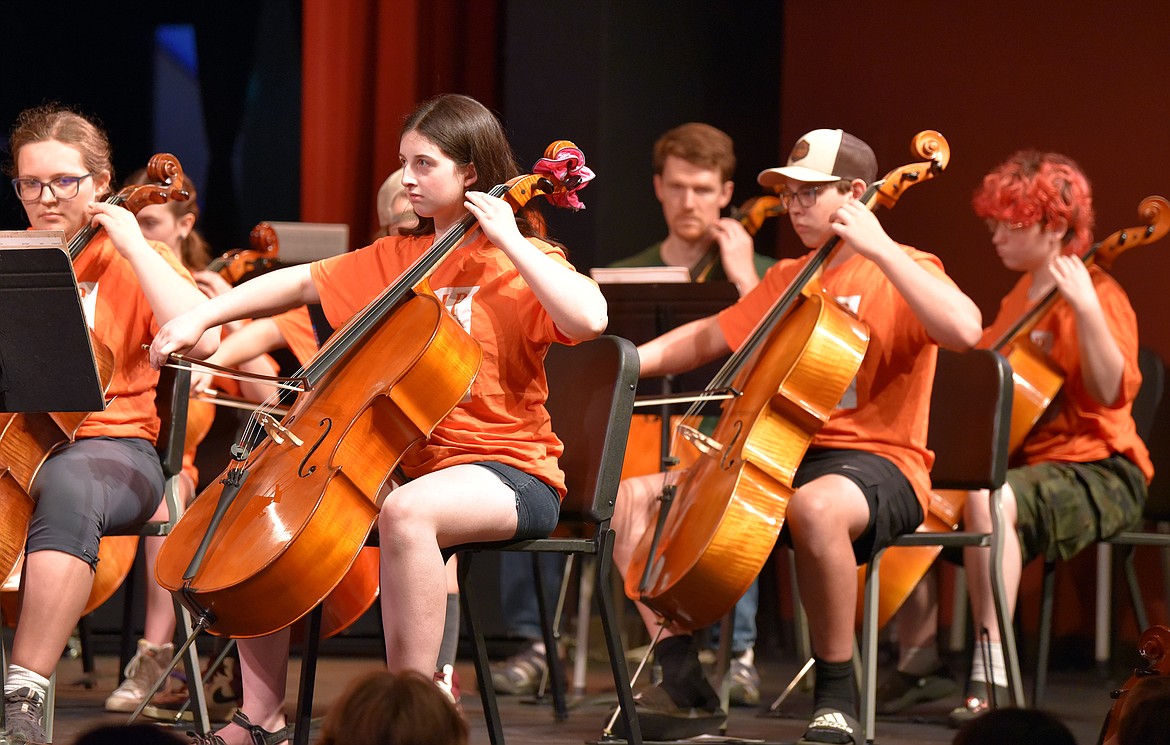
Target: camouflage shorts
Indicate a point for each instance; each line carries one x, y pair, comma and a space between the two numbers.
1064, 507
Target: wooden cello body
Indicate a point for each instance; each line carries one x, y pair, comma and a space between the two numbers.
787, 378
261, 548
303, 512
738, 494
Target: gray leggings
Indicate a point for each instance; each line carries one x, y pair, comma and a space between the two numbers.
91, 487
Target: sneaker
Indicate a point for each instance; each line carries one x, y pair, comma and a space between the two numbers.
745, 681
224, 697
832, 726
447, 681
24, 717
520, 674
141, 673
902, 690
976, 706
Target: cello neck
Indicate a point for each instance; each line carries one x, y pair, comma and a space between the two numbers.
79, 241
1029, 319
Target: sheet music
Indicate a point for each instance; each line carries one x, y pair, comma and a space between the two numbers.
32, 239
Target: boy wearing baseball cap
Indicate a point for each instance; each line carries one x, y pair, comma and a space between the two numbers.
864, 480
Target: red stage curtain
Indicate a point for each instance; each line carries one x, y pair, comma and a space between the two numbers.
366, 64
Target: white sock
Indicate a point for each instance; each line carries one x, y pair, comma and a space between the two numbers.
919, 661
538, 647
998, 667
21, 677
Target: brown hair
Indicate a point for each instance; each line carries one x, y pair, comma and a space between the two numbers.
383, 708
699, 144
53, 121
194, 252
467, 133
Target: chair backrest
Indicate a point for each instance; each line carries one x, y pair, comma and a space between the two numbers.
590, 399
1149, 396
1150, 416
970, 420
170, 400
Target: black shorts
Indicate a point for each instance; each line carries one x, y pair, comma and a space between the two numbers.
89, 488
538, 506
894, 509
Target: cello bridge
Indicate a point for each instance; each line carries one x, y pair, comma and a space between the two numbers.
700, 441
280, 434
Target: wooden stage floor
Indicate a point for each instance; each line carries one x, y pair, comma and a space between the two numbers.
1079, 699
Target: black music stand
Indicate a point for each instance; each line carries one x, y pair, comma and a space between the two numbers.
641, 312
46, 358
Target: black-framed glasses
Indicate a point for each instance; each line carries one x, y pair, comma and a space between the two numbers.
62, 187
805, 195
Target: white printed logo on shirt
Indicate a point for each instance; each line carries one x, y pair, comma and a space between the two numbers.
457, 301
89, 293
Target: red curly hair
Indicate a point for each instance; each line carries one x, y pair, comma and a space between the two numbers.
1032, 186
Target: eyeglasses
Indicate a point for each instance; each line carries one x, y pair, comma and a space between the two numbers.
993, 225
62, 187
805, 195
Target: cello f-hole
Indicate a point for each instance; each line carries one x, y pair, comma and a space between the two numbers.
726, 461
328, 424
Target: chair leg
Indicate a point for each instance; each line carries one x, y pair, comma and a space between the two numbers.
483, 672
1003, 613
869, 633
303, 720
195, 691
958, 634
1104, 619
585, 590
1047, 593
50, 707
1135, 590
613, 642
556, 672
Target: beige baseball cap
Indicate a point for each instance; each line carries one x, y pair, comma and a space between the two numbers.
824, 155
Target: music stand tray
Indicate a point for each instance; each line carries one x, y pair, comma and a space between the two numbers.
46, 358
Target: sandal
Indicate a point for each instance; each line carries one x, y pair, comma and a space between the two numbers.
260, 736
831, 726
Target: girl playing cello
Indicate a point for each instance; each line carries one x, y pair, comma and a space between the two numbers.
489, 471
61, 165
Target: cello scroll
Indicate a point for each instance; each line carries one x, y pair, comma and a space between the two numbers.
1155, 210
926, 144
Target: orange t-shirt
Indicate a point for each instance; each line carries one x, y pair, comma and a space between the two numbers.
297, 329
503, 418
886, 409
120, 317
1076, 428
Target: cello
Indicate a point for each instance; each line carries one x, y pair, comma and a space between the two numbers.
1036, 379
785, 380
291, 514
27, 439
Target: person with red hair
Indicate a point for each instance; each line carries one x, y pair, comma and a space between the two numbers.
1082, 472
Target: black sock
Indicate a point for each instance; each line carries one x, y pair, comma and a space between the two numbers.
682, 674
834, 687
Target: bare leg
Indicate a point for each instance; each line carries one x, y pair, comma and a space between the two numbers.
416, 521
918, 616
160, 606
977, 518
56, 586
824, 517
264, 668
